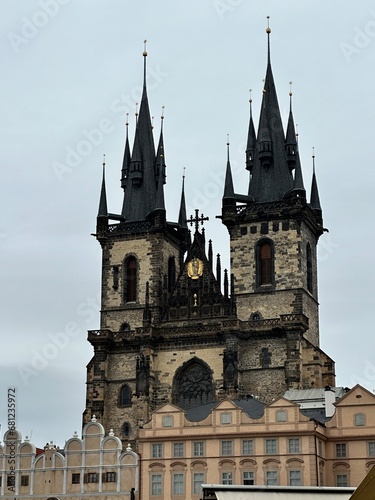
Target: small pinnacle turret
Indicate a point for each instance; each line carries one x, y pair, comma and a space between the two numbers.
103, 210
228, 197
314, 197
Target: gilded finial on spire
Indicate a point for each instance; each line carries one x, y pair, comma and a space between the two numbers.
268, 30
136, 111
103, 161
127, 120
297, 134
145, 47
250, 99
162, 112
183, 173
290, 89
228, 144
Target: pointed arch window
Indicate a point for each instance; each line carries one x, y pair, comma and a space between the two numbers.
125, 396
125, 430
265, 263
171, 273
193, 385
309, 268
131, 278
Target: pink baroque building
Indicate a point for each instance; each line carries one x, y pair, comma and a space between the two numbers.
245, 442
94, 466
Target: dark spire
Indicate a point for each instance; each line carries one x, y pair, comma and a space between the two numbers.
218, 271
160, 166
271, 178
251, 140
291, 147
228, 187
103, 211
314, 197
182, 219
140, 191
210, 254
126, 160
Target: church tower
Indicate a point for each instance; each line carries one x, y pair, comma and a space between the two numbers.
176, 328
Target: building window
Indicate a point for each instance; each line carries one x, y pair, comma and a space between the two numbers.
281, 416
226, 418
157, 450
226, 478
126, 429
125, 327
178, 484
272, 478
265, 358
110, 477
11, 480
294, 445
125, 396
198, 480
247, 447
193, 385
92, 477
167, 421
227, 447
295, 478
178, 450
341, 451
342, 480
271, 446
131, 279
265, 256
24, 480
320, 448
248, 477
371, 449
359, 419
198, 449
156, 485
171, 273
76, 478
309, 268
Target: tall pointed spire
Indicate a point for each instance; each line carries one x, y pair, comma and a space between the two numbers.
140, 191
251, 140
182, 218
292, 153
228, 187
271, 178
126, 160
160, 167
103, 210
314, 197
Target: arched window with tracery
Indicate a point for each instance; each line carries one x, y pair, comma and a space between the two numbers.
309, 268
125, 396
193, 385
265, 263
131, 272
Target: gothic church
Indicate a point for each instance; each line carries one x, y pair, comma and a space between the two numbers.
174, 327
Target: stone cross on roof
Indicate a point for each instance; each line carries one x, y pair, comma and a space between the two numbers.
197, 219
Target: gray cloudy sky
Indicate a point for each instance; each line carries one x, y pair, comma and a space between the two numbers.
72, 69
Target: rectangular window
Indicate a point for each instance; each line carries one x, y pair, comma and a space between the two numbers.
110, 477
11, 480
157, 450
226, 448
247, 447
359, 419
198, 480
293, 445
248, 477
271, 446
168, 421
271, 478
371, 449
24, 480
156, 485
226, 418
281, 416
178, 484
226, 478
92, 477
320, 448
75, 478
341, 451
295, 478
178, 450
198, 449
342, 480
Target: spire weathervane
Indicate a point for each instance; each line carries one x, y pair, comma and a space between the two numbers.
196, 220
268, 31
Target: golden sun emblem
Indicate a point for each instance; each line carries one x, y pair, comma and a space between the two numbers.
195, 268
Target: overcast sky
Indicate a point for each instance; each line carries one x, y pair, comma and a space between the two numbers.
72, 69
